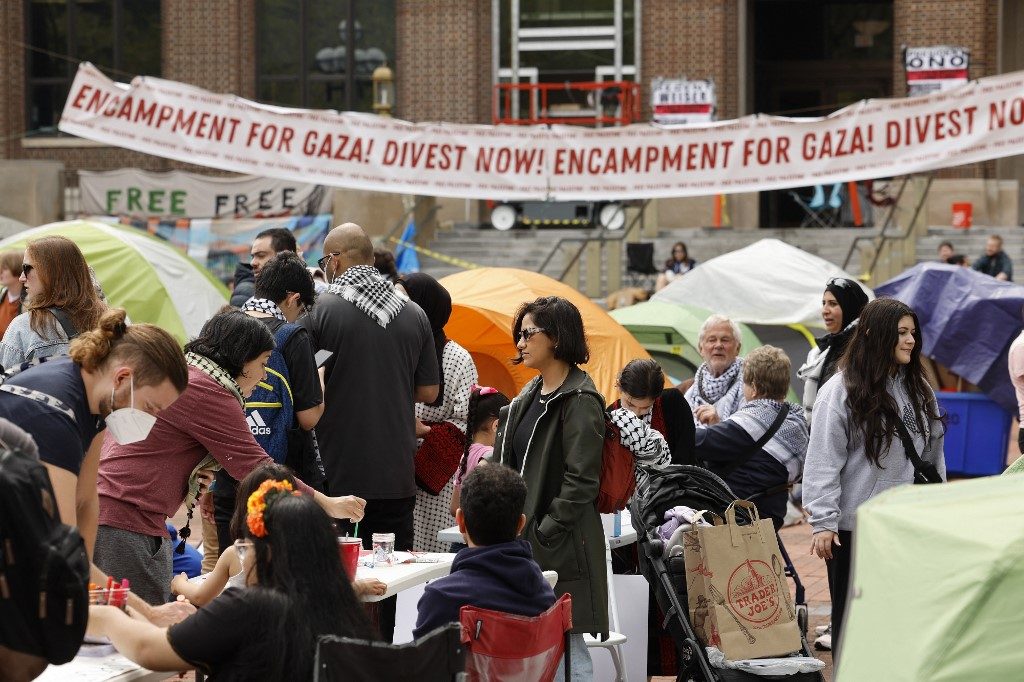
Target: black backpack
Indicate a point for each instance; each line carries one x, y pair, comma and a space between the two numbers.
44, 570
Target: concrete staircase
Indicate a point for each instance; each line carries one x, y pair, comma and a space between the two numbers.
972, 243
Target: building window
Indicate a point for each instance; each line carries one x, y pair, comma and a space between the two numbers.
301, 52
121, 37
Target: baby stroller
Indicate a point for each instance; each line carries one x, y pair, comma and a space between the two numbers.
700, 489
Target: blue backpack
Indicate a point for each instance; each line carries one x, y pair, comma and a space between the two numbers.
270, 409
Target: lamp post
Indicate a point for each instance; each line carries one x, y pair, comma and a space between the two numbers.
383, 90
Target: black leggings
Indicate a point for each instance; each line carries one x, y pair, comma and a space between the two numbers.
839, 584
1020, 439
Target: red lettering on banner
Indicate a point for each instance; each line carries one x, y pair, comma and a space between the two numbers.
766, 150
929, 127
80, 96
430, 156
833, 144
997, 113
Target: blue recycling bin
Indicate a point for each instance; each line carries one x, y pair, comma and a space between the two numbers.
977, 434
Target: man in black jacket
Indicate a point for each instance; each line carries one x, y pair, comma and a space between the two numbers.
995, 262
267, 244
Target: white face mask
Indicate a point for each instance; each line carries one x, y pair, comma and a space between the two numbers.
128, 425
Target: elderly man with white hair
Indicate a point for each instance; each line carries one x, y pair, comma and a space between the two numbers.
717, 389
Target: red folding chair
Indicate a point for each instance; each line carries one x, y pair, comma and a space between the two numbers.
504, 646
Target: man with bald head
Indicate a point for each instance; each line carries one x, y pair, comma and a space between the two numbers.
383, 363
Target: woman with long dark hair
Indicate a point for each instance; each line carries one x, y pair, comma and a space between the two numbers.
553, 433
678, 265
441, 449
879, 398
269, 630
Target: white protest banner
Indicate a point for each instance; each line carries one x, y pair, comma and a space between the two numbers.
682, 101
136, 192
935, 69
981, 120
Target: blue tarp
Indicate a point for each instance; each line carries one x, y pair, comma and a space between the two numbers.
968, 321
406, 260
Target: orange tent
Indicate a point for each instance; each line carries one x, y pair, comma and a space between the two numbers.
484, 304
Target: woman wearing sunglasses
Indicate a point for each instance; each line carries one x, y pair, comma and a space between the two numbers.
62, 301
552, 434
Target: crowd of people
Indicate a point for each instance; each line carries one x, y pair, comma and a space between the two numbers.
296, 417
994, 262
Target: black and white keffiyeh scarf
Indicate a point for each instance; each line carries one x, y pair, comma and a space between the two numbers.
368, 290
789, 444
266, 306
647, 445
724, 392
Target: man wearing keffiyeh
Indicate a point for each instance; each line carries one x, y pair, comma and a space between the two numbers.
383, 363
717, 389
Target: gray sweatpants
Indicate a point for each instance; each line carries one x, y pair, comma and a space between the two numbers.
143, 559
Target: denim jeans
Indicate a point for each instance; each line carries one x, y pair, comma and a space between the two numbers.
581, 666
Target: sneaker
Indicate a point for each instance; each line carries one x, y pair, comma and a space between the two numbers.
824, 642
822, 629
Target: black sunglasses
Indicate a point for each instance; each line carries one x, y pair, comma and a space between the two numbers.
529, 333
26, 268
322, 263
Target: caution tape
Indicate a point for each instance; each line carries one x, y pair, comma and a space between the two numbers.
450, 260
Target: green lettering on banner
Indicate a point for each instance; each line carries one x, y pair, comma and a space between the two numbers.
134, 194
156, 201
178, 201
112, 196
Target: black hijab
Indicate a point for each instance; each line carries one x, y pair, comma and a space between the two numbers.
851, 298
436, 302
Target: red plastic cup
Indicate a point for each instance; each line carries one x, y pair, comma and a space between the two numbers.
348, 549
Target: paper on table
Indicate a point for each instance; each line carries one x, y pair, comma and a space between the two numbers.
89, 669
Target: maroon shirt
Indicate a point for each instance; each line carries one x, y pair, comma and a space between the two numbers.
142, 484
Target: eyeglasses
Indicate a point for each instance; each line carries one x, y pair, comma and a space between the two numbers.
322, 263
528, 333
840, 282
26, 268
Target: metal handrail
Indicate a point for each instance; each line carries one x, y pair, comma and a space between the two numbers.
602, 236
882, 235
628, 97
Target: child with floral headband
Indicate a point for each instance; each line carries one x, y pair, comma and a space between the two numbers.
230, 571
481, 426
269, 630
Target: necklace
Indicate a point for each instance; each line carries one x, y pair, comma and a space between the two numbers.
542, 400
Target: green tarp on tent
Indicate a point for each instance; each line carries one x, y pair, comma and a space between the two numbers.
148, 277
938, 586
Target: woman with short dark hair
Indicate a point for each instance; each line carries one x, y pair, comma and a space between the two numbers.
140, 484
553, 434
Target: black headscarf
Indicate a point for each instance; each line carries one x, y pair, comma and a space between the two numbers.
851, 298
436, 302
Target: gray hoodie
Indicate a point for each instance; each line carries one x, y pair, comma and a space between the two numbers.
838, 477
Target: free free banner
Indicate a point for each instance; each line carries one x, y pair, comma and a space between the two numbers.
981, 120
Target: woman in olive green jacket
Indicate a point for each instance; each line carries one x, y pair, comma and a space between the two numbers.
553, 434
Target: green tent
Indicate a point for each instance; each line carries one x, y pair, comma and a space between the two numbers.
146, 276
937, 585
670, 331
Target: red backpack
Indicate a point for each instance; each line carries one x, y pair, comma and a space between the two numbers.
618, 472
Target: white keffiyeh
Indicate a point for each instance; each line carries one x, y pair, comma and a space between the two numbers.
788, 446
368, 290
266, 306
724, 392
647, 445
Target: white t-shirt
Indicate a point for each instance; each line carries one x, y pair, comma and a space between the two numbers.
1015, 362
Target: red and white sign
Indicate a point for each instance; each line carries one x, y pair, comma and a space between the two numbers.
682, 101
935, 69
870, 139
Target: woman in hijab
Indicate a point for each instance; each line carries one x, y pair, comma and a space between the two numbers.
440, 450
840, 307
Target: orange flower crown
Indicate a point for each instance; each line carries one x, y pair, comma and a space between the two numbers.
257, 503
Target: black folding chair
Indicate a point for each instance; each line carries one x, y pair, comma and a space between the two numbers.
640, 267
436, 657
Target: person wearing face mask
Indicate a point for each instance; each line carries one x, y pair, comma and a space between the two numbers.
116, 378
717, 389
141, 483
840, 307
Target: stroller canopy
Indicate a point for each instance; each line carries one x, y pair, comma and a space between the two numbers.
936, 591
